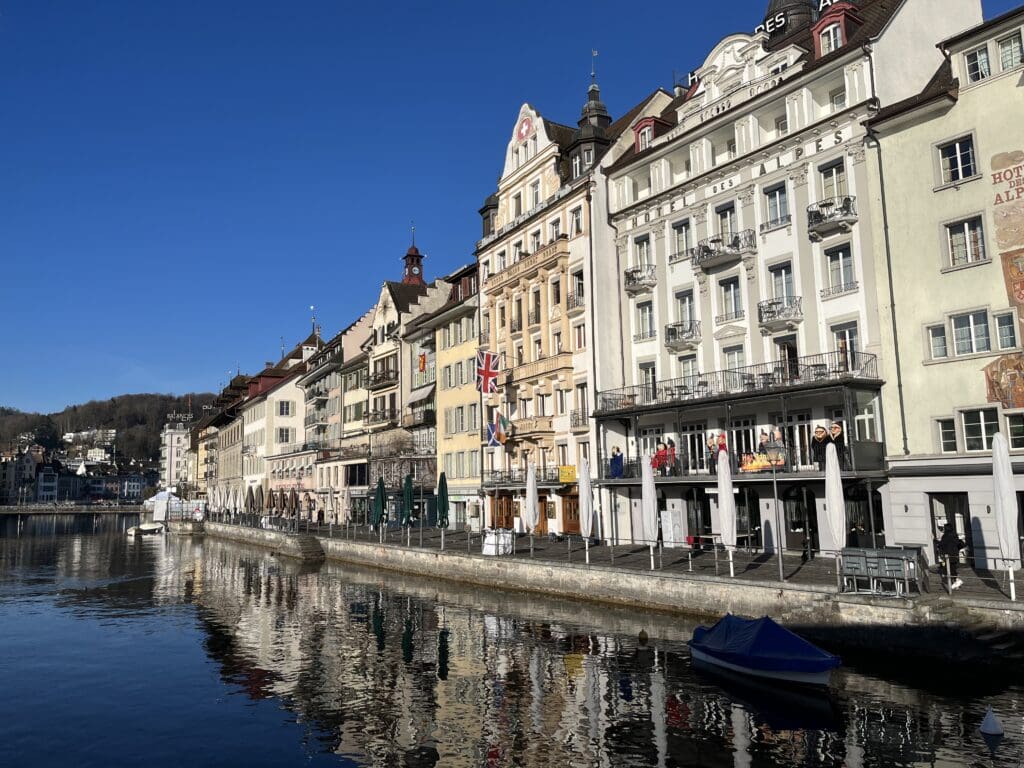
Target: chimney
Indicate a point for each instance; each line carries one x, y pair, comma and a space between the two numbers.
678, 90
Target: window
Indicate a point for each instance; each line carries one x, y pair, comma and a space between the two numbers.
833, 180
957, 160
947, 435
776, 205
727, 221
649, 378
733, 357
688, 366
977, 64
579, 333
284, 408
645, 320
517, 204
732, 307
781, 126
555, 229
684, 307
1006, 331
782, 281
970, 333
840, 268
556, 292
284, 435
538, 349
644, 138
730, 148
588, 157
980, 427
937, 342
681, 236
1015, 430
534, 194
577, 220
966, 241
643, 251
846, 339
577, 165
556, 342
837, 99
831, 38
517, 251
535, 241
1010, 54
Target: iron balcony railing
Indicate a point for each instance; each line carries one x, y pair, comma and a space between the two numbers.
382, 416
425, 418
718, 249
839, 290
316, 419
785, 308
682, 333
821, 370
645, 334
516, 325
831, 214
776, 223
640, 278
316, 394
575, 301
384, 378
533, 316
729, 317
518, 476
678, 256
423, 378
579, 419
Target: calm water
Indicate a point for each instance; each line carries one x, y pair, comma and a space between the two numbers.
168, 650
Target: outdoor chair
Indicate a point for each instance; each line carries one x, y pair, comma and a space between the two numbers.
893, 570
855, 569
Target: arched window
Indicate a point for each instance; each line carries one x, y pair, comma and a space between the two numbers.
831, 38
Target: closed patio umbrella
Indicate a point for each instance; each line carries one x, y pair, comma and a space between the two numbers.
726, 507
648, 504
586, 506
346, 506
529, 515
250, 501
1005, 508
407, 501
835, 502
442, 505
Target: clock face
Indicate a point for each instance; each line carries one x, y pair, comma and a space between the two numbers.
525, 126
415, 270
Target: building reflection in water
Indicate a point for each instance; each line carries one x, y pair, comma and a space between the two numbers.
390, 670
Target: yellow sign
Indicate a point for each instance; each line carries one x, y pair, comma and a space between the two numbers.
567, 474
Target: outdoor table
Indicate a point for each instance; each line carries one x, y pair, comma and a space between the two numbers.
767, 379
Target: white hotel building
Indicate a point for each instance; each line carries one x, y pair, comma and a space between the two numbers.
745, 254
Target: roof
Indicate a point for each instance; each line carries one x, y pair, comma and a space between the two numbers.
405, 294
942, 85
618, 127
981, 28
562, 135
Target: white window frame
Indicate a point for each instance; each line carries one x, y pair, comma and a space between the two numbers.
831, 38
980, 68
935, 333
974, 251
987, 430
644, 138
1015, 423
964, 158
1013, 37
974, 325
943, 433
1010, 320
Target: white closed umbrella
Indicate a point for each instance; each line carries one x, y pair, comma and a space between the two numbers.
726, 507
648, 505
529, 514
346, 506
586, 506
835, 503
1005, 507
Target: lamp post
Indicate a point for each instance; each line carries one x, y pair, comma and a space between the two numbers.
776, 451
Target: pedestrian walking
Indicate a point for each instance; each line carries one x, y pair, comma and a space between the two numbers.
950, 545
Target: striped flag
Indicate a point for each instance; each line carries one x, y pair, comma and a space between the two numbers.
486, 372
501, 428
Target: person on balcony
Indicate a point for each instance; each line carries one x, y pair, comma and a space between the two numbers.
819, 442
671, 457
659, 462
839, 441
615, 463
712, 446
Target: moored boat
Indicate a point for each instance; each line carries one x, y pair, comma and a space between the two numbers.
145, 529
762, 648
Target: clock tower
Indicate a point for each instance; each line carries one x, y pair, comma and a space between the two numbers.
413, 267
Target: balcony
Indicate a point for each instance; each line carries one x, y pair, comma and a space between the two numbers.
424, 418
683, 336
527, 265
831, 216
496, 477
723, 250
533, 316
839, 290
808, 372
516, 325
317, 419
640, 279
384, 416
546, 366
575, 302
678, 256
535, 426
402, 445
383, 379
579, 420
772, 224
782, 314
646, 334
316, 396
730, 317
424, 378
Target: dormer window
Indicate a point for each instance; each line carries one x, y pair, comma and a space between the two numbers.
577, 165
831, 38
644, 138
588, 157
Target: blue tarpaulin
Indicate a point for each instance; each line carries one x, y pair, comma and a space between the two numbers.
761, 644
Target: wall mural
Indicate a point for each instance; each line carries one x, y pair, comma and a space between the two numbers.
1004, 378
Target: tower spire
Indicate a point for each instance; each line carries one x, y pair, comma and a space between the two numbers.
593, 66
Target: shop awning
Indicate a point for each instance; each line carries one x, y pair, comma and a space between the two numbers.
421, 394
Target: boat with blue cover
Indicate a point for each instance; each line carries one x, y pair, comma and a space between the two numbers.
762, 648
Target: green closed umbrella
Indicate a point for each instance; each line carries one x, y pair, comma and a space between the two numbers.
442, 501
379, 503
407, 500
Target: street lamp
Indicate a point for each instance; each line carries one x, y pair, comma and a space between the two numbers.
776, 451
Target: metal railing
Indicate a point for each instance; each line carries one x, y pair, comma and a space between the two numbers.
579, 419
515, 325
533, 316
640, 277
839, 290
383, 378
646, 334
518, 476
822, 369
575, 301
781, 221
682, 332
830, 210
678, 256
713, 250
380, 417
425, 418
728, 317
783, 308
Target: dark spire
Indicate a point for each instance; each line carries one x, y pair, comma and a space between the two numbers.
798, 13
594, 112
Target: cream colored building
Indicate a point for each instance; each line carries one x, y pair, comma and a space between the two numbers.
444, 344
950, 227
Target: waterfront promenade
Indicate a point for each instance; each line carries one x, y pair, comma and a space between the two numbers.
976, 622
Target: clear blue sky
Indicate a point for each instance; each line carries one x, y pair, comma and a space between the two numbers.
180, 180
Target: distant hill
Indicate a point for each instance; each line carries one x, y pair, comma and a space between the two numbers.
138, 420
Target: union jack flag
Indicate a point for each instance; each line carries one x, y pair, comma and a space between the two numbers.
487, 372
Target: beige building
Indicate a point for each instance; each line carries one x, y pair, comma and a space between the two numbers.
444, 344
950, 207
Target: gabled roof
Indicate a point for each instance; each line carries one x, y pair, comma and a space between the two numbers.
562, 135
405, 294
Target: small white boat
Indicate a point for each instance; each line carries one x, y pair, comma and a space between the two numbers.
145, 529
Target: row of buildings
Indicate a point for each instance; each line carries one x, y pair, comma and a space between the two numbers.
32, 475
818, 236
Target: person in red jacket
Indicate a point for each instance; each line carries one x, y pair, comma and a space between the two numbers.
659, 462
